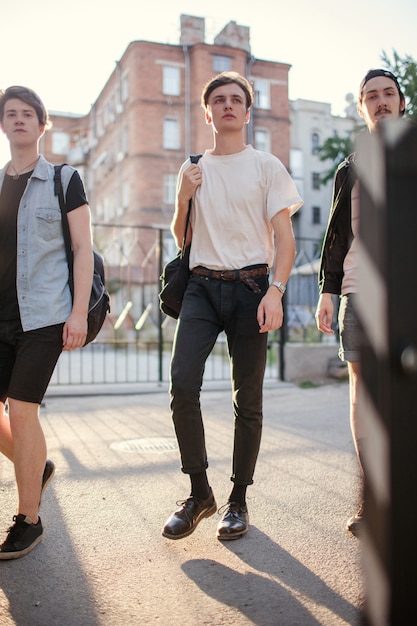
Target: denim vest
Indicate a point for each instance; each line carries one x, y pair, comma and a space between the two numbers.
42, 272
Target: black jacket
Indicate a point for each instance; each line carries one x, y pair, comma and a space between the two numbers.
339, 235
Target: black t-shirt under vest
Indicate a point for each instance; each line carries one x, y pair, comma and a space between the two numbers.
10, 196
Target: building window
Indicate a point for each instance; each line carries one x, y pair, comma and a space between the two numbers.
99, 210
60, 142
296, 163
171, 80
262, 94
108, 209
221, 63
125, 195
171, 138
169, 190
108, 112
125, 141
262, 140
125, 87
315, 143
316, 215
316, 180
99, 123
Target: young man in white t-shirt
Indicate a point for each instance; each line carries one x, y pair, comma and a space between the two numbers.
243, 200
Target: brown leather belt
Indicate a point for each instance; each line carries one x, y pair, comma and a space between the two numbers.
245, 276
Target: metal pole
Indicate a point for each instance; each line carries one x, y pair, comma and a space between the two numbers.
387, 308
160, 314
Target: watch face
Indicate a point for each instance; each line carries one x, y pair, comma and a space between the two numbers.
279, 286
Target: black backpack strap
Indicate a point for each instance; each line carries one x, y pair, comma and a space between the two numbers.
194, 158
59, 191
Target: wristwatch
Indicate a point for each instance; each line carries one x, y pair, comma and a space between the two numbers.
280, 286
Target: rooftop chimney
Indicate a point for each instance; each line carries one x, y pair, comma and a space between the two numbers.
192, 30
234, 36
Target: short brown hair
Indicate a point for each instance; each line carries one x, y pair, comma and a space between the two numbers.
225, 78
29, 97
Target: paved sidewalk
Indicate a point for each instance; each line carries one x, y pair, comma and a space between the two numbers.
103, 561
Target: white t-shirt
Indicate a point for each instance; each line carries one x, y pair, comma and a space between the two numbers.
232, 209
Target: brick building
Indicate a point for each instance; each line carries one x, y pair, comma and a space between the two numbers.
148, 118
144, 123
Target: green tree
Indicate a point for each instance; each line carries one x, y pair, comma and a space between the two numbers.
334, 149
405, 69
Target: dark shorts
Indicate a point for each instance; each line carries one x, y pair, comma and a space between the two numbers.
350, 334
27, 360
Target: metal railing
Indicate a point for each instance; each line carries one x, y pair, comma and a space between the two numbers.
102, 363
135, 343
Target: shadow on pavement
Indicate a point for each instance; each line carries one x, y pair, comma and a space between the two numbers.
47, 587
275, 591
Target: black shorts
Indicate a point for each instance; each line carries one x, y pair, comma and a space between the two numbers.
27, 360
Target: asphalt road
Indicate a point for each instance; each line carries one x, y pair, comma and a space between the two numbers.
103, 561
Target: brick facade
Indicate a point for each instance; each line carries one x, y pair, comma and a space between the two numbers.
120, 146
126, 160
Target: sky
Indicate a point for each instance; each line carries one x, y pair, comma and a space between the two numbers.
67, 51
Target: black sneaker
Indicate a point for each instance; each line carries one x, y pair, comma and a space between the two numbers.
184, 521
48, 473
22, 537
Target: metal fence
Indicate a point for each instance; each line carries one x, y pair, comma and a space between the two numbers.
135, 343
104, 362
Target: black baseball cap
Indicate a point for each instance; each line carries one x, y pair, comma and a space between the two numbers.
378, 72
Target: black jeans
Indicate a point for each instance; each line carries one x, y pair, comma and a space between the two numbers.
209, 307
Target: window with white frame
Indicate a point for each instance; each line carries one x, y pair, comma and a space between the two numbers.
262, 93
169, 190
108, 209
262, 140
99, 210
171, 134
125, 87
171, 80
125, 141
296, 163
60, 142
99, 121
221, 63
125, 195
108, 113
